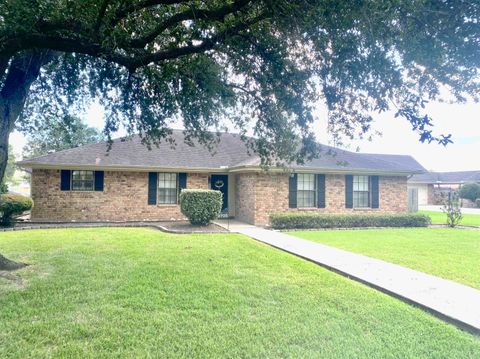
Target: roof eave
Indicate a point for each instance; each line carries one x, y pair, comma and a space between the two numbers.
65, 166
365, 171
223, 169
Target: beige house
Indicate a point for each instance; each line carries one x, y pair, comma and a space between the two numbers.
431, 186
133, 183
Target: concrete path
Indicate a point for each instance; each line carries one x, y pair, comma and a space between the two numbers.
451, 301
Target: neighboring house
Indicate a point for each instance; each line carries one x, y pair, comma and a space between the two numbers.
432, 186
132, 183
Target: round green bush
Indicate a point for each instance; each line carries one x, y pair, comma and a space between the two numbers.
200, 206
11, 204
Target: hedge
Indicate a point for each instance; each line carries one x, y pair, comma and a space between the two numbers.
11, 204
318, 220
200, 206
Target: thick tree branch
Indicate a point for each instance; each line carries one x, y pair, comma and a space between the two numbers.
131, 62
100, 17
206, 45
190, 14
132, 7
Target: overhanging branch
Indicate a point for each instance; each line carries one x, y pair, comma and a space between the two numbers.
190, 14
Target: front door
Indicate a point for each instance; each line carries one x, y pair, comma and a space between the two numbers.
220, 183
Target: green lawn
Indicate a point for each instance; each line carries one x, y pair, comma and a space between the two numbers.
449, 253
440, 217
93, 293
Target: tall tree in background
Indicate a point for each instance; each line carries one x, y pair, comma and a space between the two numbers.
9, 170
257, 63
59, 134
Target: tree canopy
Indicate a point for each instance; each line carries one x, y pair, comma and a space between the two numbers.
260, 64
57, 134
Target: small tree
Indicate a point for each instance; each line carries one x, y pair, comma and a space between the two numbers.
451, 207
470, 191
200, 206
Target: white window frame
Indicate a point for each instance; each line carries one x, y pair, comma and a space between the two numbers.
306, 186
165, 193
362, 189
82, 180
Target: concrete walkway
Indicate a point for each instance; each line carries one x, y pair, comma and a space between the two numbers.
451, 301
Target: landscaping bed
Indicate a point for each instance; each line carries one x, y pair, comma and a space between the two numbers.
133, 292
300, 220
168, 226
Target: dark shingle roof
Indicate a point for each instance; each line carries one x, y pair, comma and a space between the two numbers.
230, 152
446, 177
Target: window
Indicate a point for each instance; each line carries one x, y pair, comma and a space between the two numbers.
167, 188
82, 180
361, 191
306, 190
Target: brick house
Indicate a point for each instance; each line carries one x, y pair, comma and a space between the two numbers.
133, 183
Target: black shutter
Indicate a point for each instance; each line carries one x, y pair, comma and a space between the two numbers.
99, 181
348, 191
182, 181
65, 176
375, 191
320, 191
292, 191
152, 187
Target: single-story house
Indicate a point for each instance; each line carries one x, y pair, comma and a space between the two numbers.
432, 185
133, 183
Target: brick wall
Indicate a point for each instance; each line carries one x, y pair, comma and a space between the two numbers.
124, 199
259, 194
245, 197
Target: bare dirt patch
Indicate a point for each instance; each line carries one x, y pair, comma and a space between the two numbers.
187, 227
11, 277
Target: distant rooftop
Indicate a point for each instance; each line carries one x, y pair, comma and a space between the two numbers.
446, 177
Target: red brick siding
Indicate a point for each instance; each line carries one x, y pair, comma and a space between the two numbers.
258, 195
124, 199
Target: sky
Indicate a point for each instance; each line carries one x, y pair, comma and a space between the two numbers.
460, 120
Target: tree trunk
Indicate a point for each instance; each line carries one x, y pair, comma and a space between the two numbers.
21, 71
16, 76
7, 264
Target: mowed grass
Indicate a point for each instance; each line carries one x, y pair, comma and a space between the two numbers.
449, 253
440, 217
96, 293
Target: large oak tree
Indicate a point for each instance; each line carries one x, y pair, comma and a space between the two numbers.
258, 63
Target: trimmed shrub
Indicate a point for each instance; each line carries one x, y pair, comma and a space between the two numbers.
12, 204
299, 220
451, 207
200, 206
